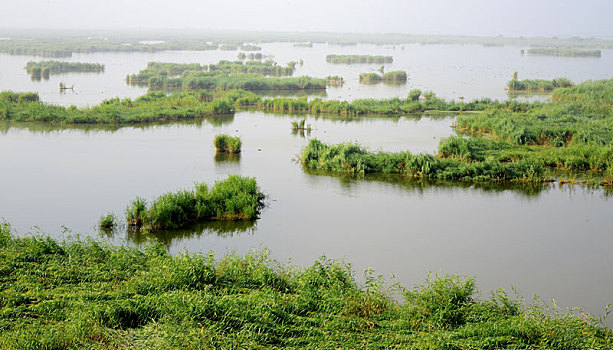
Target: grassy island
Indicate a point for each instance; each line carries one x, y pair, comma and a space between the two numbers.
538, 85
394, 77
250, 75
77, 294
229, 144
44, 68
151, 107
573, 134
564, 52
235, 198
349, 59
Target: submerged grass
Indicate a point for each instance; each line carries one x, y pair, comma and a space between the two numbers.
235, 198
86, 294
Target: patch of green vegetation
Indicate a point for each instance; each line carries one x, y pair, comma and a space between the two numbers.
108, 221
350, 59
394, 77
228, 47
564, 52
250, 48
251, 75
537, 85
416, 102
572, 134
335, 80
235, 198
309, 44
44, 68
225, 143
86, 294
151, 107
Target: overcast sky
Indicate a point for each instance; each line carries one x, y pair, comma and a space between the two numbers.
461, 17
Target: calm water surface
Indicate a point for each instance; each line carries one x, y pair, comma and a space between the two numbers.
546, 241
550, 241
451, 71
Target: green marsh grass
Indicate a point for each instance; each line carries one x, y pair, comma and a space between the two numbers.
229, 144
87, 294
235, 198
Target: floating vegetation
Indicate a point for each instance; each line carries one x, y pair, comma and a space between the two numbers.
228, 47
309, 44
225, 143
235, 198
349, 59
394, 77
108, 221
572, 134
256, 56
44, 68
151, 107
250, 48
335, 80
301, 126
538, 85
225, 75
354, 159
564, 52
84, 293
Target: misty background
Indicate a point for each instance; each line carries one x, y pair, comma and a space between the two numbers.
563, 18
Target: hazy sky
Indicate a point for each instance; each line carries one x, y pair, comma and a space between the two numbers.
472, 17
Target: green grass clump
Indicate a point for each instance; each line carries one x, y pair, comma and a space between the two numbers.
45, 67
235, 198
108, 221
564, 52
225, 75
85, 294
352, 158
151, 107
395, 77
538, 85
225, 143
349, 59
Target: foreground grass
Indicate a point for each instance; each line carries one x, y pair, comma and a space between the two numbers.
87, 294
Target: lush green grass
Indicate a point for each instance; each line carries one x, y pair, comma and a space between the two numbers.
349, 59
225, 143
335, 80
564, 52
389, 77
44, 68
352, 158
538, 85
151, 107
84, 294
107, 221
510, 141
226, 75
235, 198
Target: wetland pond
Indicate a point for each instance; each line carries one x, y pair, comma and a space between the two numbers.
548, 240
539, 239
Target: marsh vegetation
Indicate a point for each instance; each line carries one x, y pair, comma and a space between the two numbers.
351, 59
45, 68
89, 294
235, 198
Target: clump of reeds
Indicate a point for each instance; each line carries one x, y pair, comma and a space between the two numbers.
108, 221
226, 143
235, 198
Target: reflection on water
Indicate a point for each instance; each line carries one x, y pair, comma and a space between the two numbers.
227, 157
223, 229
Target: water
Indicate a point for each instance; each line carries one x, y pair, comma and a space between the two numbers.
544, 240
452, 71
541, 240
